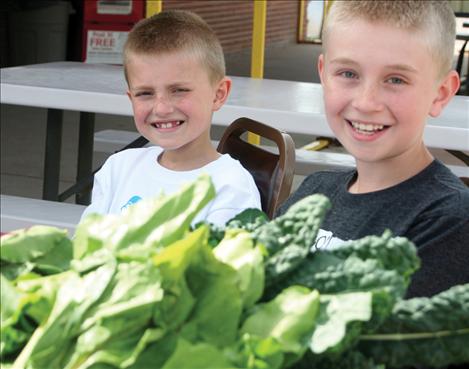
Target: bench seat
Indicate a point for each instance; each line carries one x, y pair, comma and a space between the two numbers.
307, 161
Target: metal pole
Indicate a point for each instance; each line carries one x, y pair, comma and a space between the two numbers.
258, 45
153, 7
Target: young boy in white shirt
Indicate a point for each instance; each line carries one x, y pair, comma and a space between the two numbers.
175, 71
385, 67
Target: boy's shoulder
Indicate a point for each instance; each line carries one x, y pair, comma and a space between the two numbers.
229, 169
324, 178
122, 162
436, 193
439, 178
327, 182
133, 154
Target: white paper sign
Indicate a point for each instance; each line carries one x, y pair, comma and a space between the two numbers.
105, 46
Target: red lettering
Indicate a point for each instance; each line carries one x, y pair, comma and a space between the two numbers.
102, 42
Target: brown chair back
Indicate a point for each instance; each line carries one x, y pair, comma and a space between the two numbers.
272, 171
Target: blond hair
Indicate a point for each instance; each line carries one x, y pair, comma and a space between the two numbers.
175, 31
434, 19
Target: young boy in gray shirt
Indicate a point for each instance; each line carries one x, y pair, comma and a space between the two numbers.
385, 67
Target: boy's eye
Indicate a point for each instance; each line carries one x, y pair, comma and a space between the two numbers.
142, 93
396, 81
180, 90
348, 74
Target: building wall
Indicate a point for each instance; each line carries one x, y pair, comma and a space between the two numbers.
232, 20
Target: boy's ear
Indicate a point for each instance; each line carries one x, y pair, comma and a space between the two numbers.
221, 93
321, 67
446, 90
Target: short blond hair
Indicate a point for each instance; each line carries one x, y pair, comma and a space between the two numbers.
175, 31
435, 19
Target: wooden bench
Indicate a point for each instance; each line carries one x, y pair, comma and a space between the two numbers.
21, 212
307, 161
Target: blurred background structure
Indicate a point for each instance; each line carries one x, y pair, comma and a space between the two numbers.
38, 31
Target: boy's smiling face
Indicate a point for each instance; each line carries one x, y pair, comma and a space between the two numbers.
380, 85
173, 99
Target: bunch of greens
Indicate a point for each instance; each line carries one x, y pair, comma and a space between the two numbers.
145, 290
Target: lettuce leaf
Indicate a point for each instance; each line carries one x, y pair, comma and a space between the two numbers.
238, 250
43, 249
289, 319
156, 222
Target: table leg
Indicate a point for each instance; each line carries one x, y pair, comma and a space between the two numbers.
50, 188
85, 155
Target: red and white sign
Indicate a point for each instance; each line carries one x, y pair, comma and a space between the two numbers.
105, 46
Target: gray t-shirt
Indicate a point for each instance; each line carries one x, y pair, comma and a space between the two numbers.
431, 209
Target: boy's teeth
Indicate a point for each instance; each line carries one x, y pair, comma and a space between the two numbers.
367, 127
168, 124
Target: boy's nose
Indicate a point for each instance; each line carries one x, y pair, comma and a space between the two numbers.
367, 98
162, 106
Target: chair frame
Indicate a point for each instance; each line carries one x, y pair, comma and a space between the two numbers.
275, 189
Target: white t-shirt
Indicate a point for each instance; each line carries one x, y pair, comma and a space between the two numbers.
134, 174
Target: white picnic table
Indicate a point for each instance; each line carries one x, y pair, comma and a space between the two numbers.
295, 107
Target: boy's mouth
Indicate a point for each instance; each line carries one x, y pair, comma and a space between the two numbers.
366, 128
168, 124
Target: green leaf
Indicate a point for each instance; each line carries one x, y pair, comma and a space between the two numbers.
332, 332
289, 238
367, 264
44, 249
10, 299
12, 337
424, 331
248, 219
51, 341
155, 352
351, 359
298, 226
237, 249
159, 221
196, 356
29, 244
289, 318
393, 253
252, 352
173, 262
217, 311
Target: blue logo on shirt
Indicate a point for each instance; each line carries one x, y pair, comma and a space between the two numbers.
132, 200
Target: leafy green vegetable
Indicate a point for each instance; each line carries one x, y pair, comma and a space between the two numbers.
74, 297
249, 220
393, 253
348, 360
29, 244
43, 249
423, 331
288, 238
363, 265
238, 250
288, 319
152, 223
298, 226
335, 313
217, 312
12, 334
254, 352
144, 290
199, 355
